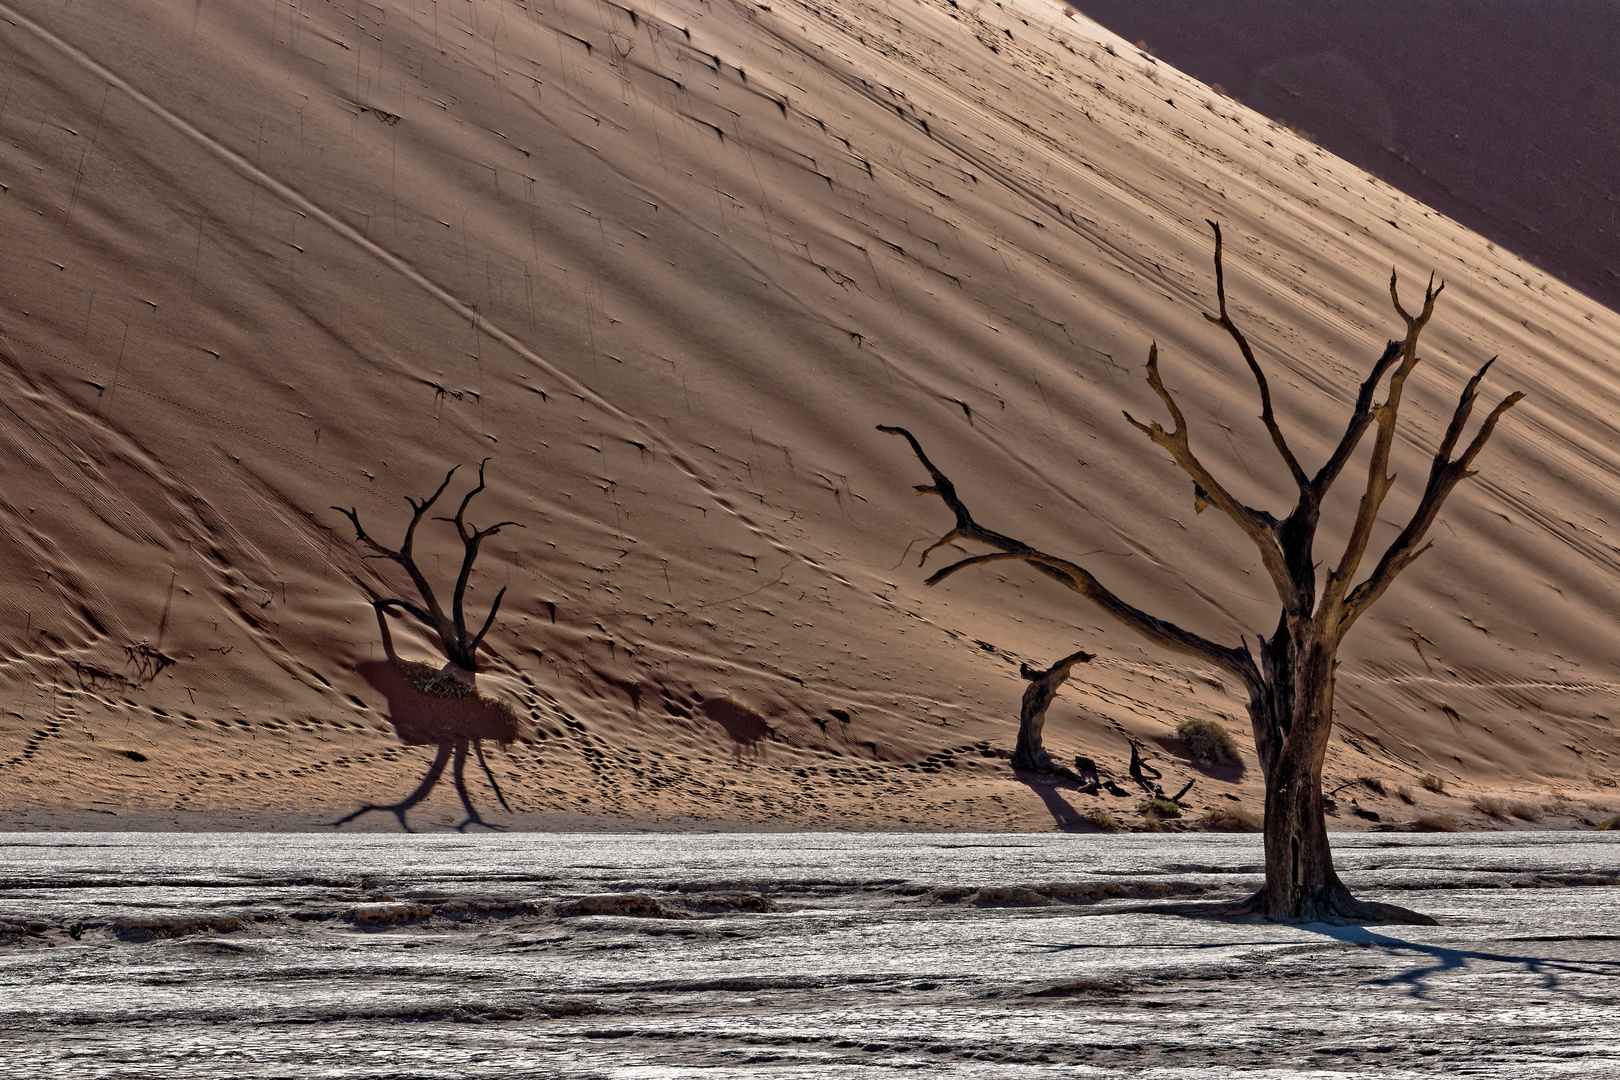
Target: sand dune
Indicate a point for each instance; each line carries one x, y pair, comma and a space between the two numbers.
667, 268
1500, 114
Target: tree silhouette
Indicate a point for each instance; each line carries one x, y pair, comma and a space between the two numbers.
441, 706
1288, 676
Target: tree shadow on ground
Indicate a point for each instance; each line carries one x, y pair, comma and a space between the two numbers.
1047, 786
747, 730
1443, 959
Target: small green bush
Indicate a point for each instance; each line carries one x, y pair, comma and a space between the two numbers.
1209, 742
1230, 819
1157, 807
1435, 823
1432, 783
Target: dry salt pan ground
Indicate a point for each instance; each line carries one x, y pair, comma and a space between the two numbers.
800, 955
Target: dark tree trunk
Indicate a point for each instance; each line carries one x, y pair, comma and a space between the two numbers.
1293, 718
1029, 753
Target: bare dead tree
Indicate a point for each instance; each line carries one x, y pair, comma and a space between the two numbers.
1029, 752
1289, 676
438, 706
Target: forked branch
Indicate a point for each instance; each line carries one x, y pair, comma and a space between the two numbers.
1445, 473
471, 538
1379, 480
1267, 416
1257, 525
451, 630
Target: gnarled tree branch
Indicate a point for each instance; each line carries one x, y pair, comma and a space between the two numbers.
1257, 525
451, 630
1379, 481
1167, 635
1444, 474
471, 538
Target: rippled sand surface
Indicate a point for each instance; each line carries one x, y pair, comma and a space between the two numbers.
816, 955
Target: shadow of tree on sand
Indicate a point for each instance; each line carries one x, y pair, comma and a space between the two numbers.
428, 709
1048, 787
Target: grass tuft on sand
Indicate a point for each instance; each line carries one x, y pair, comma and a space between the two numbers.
1158, 808
1102, 820
1231, 819
1435, 823
1524, 811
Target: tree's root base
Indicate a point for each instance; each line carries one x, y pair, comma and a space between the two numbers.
1341, 909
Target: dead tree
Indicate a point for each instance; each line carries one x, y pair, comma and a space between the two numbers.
1289, 675
1029, 753
442, 706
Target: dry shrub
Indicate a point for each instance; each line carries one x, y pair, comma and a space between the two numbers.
631, 905
1231, 819
1435, 823
1373, 784
1209, 742
1612, 825
1492, 808
1008, 897
163, 927
1431, 782
1404, 793
1524, 811
1100, 819
387, 913
1157, 807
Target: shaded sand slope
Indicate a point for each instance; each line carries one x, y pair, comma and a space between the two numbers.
667, 268
1497, 112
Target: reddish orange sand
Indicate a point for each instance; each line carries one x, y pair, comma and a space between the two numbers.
667, 267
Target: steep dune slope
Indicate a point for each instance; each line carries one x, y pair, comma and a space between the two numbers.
1496, 112
667, 268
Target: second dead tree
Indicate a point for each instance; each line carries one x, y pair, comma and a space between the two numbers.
1029, 753
1288, 675
442, 706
